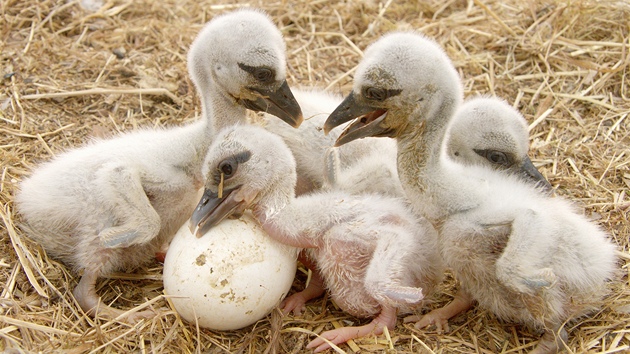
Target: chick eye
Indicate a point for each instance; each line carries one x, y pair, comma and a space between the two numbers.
497, 157
263, 75
375, 93
494, 156
227, 169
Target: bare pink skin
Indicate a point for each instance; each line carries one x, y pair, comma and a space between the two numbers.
372, 254
387, 318
439, 317
387, 314
296, 303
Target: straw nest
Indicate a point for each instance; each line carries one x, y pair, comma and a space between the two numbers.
69, 73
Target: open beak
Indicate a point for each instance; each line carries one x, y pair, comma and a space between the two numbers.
280, 103
211, 210
369, 121
530, 172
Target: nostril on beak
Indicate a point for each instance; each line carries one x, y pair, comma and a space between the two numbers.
204, 201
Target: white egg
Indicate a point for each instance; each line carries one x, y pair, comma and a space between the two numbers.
229, 278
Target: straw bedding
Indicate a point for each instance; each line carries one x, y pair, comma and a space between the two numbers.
70, 73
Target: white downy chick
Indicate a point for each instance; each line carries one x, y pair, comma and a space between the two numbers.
110, 205
518, 252
373, 257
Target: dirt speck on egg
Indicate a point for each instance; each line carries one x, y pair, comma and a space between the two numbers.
201, 260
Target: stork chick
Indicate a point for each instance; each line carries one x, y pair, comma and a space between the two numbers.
495, 138
518, 252
372, 255
110, 205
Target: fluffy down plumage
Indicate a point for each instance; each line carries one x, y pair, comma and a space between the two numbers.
111, 204
373, 256
520, 253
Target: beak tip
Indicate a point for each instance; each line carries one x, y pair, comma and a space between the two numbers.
298, 120
193, 229
327, 128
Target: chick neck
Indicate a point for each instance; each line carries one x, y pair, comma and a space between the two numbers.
279, 213
419, 144
275, 197
427, 178
218, 109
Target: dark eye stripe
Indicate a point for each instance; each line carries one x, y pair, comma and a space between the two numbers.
263, 74
380, 94
243, 156
393, 92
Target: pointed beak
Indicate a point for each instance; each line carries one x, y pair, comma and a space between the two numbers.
211, 210
280, 103
530, 172
349, 109
369, 121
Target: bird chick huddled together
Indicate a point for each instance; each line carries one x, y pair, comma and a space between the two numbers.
419, 181
110, 205
516, 251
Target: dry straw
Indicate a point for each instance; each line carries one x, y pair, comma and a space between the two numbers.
69, 74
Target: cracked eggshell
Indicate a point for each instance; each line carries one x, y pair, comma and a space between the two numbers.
229, 278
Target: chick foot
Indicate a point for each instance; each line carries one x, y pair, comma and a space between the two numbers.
439, 317
387, 318
297, 301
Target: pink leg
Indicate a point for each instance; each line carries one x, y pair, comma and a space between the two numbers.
387, 318
297, 301
439, 317
314, 290
86, 296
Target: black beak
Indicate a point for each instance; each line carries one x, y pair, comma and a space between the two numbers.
370, 121
349, 109
211, 210
530, 172
280, 103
